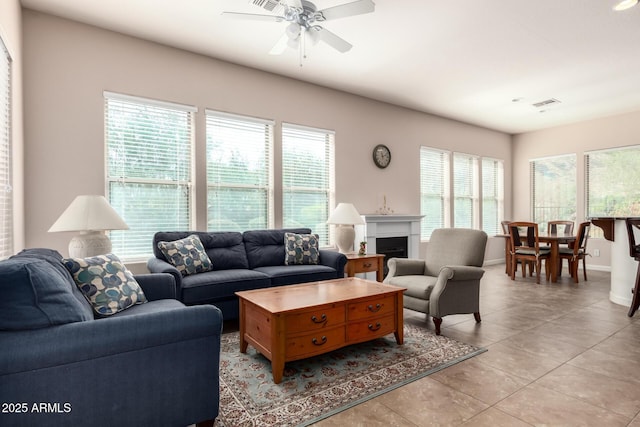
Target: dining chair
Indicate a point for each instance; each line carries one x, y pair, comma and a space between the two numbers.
505, 230
561, 227
634, 252
578, 252
526, 248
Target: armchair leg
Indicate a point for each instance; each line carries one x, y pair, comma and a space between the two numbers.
437, 321
207, 423
476, 315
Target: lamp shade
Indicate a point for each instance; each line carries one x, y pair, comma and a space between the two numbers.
345, 213
89, 213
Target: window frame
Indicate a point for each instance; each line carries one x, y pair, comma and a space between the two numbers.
329, 190
188, 184
611, 183
474, 185
498, 194
268, 188
572, 210
444, 195
7, 238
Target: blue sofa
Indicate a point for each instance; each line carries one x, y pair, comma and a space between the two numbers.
152, 364
242, 261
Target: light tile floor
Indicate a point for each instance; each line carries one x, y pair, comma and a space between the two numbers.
559, 354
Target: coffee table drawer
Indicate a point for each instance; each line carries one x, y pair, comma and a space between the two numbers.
317, 318
373, 328
372, 308
314, 343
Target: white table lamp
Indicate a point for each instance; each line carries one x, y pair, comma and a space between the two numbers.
344, 217
91, 216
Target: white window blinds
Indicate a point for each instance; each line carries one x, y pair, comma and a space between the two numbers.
492, 195
554, 188
612, 182
308, 179
239, 172
6, 193
149, 176
465, 191
434, 190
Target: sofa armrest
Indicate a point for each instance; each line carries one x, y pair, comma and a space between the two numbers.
157, 286
157, 265
462, 272
405, 267
146, 366
334, 260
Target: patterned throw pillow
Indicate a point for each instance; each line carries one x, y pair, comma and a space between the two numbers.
106, 283
301, 249
187, 255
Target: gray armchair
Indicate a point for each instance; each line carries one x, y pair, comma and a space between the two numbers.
448, 280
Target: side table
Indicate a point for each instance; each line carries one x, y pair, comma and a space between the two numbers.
364, 264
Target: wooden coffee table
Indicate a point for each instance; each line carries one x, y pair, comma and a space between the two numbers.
294, 322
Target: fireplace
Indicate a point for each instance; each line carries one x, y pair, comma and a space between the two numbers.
392, 247
385, 229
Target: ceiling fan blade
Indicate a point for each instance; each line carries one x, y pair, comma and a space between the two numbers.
253, 16
280, 46
349, 9
334, 41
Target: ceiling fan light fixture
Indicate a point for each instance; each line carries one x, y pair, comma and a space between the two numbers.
624, 5
293, 31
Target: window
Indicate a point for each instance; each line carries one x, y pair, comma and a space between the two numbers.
434, 190
149, 176
452, 183
308, 179
6, 196
239, 173
612, 182
492, 195
553, 182
465, 191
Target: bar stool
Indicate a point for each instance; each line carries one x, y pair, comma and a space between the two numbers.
634, 252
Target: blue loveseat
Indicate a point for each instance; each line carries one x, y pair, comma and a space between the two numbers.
242, 261
152, 364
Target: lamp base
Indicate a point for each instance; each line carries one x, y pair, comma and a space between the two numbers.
89, 243
345, 235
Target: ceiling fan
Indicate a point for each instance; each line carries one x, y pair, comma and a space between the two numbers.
303, 17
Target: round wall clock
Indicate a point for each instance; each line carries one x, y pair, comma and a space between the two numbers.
381, 156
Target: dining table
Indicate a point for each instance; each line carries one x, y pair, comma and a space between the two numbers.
553, 239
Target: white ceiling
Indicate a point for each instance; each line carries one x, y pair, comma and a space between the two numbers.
466, 60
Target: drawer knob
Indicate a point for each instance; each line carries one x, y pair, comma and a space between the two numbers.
367, 265
374, 328
323, 341
374, 309
322, 319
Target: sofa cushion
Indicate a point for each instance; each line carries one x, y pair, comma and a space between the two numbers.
291, 274
54, 259
35, 295
225, 249
266, 247
301, 249
106, 283
217, 285
186, 255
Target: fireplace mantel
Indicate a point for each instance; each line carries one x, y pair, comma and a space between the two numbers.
380, 226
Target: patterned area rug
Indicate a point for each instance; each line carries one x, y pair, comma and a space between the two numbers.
318, 387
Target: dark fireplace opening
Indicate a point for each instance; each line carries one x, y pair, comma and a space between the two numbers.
392, 247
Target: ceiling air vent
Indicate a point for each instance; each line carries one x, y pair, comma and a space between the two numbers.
270, 5
546, 103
